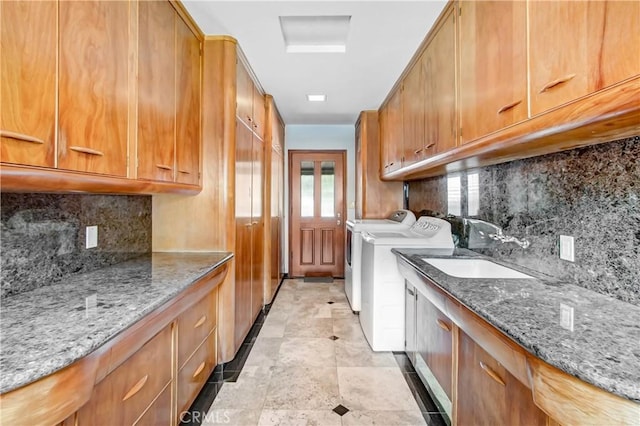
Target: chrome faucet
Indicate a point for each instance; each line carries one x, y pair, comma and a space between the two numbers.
481, 234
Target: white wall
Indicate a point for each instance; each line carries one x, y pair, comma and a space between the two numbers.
319, 137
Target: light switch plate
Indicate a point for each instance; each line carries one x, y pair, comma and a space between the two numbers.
566, 316
92, 236
567, 248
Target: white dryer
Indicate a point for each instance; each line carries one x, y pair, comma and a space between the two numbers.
382, 315
398, 220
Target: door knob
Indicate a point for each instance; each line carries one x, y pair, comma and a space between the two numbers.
339, 222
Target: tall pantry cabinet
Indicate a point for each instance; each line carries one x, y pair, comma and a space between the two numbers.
232, 211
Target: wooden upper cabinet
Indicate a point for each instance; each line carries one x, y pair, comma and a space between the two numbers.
244, 94
493, 66
156, 94
28, 82
580, 47
94, 87
187, 105
258, 112
488, 394
413, 115
438, 66
392, 132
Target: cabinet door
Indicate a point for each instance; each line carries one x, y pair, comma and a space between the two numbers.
244, 94
28, 37
187, 105
257, 221
434, 342
488, 394
156, 94
579, 47
94, 87
243, 232
258, 112
385, 135
413, 115
439, 67
410, 322
493, 66
394, 132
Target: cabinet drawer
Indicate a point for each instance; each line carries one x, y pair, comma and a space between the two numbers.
125, 393
194, 325
194, 374
160, 411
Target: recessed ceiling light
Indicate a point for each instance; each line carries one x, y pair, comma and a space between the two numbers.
316, 98
315, 34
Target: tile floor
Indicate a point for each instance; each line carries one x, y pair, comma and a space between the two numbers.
307, 363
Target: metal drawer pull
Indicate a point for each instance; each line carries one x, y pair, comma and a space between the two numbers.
136, 388
443, 325
200, 321
417, 151
199, 370
163, 167
86, 150
554, 83
184, 171
432, 144
491, 373
20, 137
507, 107
410, 291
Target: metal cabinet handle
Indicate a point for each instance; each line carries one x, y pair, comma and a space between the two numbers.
509, 106
164, 167
184, 172
200, 321
199, 370
410, 291
20, 137
491, 373
443, 325
136, 388
554, 83
431, 145
86, 150
418, 151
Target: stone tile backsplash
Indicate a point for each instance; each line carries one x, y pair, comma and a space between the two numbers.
592, 194
43, 235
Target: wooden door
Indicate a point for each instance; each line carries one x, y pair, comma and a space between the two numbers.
488, 394
94, 87
156, 90
187, 105
413, 115
493, 66
317, 186
257, 226
28, 51
579, 47
439, 67
243, 251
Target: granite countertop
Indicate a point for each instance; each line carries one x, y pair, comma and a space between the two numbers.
604, 347
47, 329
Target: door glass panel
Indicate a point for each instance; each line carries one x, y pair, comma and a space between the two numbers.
327, 203
306, 188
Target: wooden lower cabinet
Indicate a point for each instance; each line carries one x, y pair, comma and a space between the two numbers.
159, 413
195, 325
124, 395
194, 374
488, 394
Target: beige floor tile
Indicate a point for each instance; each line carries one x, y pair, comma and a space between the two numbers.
299, 417
260, 372
231, 417
341, 310
375, 388
309, 327
303, 388
358, 353
246, 394
383, 418
307, 352
348, 328
264, 352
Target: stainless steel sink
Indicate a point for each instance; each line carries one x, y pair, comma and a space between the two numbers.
473, 268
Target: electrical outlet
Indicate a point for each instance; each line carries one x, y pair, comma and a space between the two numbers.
567, 248
92, 236
566, 316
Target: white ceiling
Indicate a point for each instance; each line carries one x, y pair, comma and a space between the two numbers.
382, 38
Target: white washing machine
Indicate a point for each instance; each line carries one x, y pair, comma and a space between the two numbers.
382, 315
398, 220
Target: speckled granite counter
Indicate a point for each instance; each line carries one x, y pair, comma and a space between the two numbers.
47, 329
603, 349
